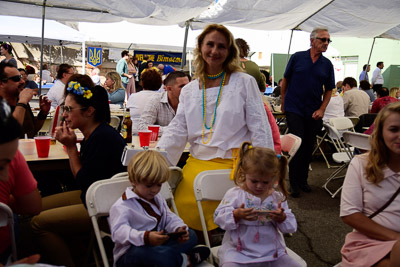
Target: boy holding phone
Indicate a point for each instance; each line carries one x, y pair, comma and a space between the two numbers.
140, 219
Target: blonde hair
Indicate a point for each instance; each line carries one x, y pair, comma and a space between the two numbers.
393, 91
148, 166
117, 80
231, 63
379, 155
261, 161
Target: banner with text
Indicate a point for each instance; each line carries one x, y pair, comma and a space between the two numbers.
169, 58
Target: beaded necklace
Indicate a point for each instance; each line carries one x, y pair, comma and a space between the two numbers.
221, 86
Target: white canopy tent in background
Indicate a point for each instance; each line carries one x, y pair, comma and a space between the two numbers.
355, 18
29, 31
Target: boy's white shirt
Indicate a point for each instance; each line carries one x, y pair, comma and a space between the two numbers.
129, 221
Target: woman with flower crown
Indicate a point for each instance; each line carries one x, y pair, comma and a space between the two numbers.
64, 216
218, 111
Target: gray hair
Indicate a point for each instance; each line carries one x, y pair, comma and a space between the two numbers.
316, 30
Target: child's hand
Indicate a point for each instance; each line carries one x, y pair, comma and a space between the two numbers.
157, 238
242, 213
185, 237
278, 215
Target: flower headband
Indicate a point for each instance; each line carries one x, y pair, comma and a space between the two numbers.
78, 89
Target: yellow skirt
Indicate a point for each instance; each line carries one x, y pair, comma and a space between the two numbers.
184, 194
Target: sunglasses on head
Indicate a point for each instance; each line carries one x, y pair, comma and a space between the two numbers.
325, 40
15, 78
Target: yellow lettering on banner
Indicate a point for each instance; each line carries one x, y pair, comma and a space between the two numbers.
151, 57
139, 57
160, 58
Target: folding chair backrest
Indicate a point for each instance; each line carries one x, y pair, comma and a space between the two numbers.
175, 178
7, 218
358, 140
342, 123
121, 175
212, 185
102, 194
354, 120
290, 143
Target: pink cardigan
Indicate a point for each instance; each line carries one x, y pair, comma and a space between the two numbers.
275, 130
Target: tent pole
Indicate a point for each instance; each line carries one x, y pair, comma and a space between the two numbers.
83, 58
290, 44
41, 46
62, 56
370, 53
50, 57
183, 63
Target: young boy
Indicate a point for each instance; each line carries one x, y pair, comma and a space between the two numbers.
141, 219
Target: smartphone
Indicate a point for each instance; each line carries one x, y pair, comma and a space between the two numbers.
176, 235
263, 212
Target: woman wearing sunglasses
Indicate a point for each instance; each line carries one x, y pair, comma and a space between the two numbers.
6, 50
86, 108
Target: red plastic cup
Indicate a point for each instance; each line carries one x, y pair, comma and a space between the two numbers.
144, 137
154, 132
43, 146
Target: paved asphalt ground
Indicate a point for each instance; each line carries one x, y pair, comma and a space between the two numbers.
320, 233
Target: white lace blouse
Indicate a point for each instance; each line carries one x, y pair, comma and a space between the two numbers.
240, 117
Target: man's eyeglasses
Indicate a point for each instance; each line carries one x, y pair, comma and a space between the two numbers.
324, 40
68, 109
15, 78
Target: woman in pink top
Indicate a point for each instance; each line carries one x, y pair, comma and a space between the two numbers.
371, 180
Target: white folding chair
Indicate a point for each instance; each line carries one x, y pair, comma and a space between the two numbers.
7, 219
357, 140
212, 185
290, 143
100, 196
354, 140
343, 156
341, 124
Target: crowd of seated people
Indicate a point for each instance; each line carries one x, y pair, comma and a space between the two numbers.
221, 114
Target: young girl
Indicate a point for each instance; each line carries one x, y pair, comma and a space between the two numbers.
253, 212
141, 219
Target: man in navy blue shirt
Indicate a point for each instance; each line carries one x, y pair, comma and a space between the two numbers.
306, 91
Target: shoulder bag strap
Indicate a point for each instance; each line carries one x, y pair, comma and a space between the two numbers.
386, 204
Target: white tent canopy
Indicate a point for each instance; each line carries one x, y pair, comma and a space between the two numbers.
355, 18
156, 12
27, 30
344, 18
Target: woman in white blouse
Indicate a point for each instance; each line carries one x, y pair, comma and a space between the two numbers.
217, 111
371, 181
